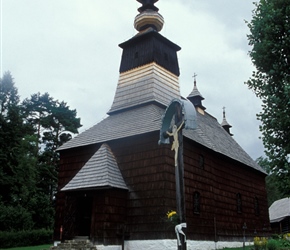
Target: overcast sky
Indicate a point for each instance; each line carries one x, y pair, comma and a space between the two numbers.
69, 48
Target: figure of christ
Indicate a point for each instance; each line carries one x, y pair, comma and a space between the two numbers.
175, 143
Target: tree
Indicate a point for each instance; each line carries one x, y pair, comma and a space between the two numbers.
30, 132
272, 182
270, 41
17, 162
54, 123
8, 92
53, 120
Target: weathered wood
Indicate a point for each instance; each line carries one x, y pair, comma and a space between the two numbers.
147, 48
150, 176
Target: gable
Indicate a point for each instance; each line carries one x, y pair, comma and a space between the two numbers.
101, 171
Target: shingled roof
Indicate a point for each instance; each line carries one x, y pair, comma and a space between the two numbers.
279, 210
100, 171
132, 122
145, 119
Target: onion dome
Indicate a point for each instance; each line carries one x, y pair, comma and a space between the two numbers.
148, 17
225, 124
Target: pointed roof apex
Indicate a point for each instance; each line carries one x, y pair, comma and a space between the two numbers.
196, 98
100, 171
224, 123
195, 92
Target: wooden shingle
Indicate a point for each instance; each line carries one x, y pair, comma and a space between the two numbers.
101, 171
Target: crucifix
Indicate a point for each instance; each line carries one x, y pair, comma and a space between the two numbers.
182, 114
175, 143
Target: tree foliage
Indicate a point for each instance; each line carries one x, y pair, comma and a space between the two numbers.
270, 41
30, 132
272, 182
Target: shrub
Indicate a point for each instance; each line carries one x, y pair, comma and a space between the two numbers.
272, 244
15, 218
260, 243
25, 238
276, 236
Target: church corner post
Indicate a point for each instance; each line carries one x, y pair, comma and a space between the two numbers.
181, 113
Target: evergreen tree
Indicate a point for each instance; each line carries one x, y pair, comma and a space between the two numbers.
270, 41
17, 164
30, 133
54, 124
272, 182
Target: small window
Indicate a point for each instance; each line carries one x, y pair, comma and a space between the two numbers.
239, 203
201, 161
256, 206
196, 203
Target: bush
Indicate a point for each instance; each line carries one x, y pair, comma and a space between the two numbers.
25, 238
15, 218
260, 243
272, 244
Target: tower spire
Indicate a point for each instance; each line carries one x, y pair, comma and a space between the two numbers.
225, 124
195, 97
149, 68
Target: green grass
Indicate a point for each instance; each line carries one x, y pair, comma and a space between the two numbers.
239, 248
41, 247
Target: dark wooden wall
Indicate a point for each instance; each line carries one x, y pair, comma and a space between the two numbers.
148, 170
142, 163
218, 181
109, 216
148, 48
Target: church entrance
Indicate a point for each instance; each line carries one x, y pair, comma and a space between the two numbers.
84, 215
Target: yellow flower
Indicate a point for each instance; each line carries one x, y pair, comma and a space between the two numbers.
170, 214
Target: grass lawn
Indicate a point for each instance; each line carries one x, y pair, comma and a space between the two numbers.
41, 247
239, 248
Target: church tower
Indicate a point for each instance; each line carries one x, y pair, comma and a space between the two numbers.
149, 67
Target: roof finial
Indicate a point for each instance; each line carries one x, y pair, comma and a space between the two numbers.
225, 124
147, 4
194, 77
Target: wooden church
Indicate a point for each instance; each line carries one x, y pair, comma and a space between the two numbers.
116, 183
